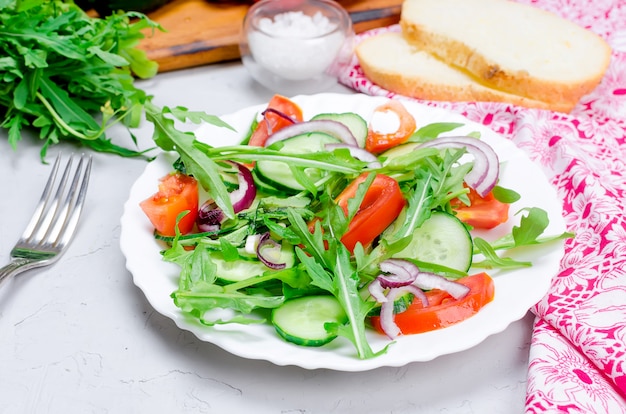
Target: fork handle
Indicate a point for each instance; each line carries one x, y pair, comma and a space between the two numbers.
16, 266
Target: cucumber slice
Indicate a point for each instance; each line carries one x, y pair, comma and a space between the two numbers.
278, 174
302, 320
238, 270
355, 123
443, 240
263, 186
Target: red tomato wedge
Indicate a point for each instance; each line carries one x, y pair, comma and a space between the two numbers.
483, 212
381, 205
378, 142
443, 309
272, 121
177, 193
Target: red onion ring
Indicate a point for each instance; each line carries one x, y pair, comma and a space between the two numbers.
375, 288
244, 196
387, 321
358, 153
428, 281
402, 276
484, 174
210, 217
398, 273
276, 112
268, 243
333, 128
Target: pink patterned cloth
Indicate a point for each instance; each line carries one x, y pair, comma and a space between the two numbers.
578, 350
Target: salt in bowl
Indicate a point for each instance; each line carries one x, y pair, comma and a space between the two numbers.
296, 46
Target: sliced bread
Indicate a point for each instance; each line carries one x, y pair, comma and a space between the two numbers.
389, 61
510, 46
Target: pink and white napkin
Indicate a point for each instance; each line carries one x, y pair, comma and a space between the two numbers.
578, 349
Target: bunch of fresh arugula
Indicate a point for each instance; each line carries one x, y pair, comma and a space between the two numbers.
70, 76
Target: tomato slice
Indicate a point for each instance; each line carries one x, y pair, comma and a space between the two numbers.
483, 212
177, 193
381, 205
273, 122
443, 310
378, 142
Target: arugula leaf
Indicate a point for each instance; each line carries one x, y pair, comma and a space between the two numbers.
492, 260
204, 297
203, 168
528, 233
328, 161
433, 130
531, 227
294, 277
198, 267
347, 292
327, 261
197, 117
198, 292
505, 195
69, 116
419, 200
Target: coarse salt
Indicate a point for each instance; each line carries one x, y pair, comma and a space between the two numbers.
296, 23
295, 45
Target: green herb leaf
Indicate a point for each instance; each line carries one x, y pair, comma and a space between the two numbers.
505, 195
528, 233
433, 130
330, 269
203, 168
492, 260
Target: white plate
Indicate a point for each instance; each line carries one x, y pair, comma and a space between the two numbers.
515, 291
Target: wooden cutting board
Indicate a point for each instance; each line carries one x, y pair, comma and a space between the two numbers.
200, 32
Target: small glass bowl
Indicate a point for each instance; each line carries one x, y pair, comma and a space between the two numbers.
296, 46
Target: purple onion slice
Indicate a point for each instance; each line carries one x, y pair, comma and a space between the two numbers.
210, 217
397, 273
266, 250
387, 319
428, 281
484, 174
244, 196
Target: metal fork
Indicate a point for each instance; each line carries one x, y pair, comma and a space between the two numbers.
54, 221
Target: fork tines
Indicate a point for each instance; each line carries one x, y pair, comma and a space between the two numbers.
57, 213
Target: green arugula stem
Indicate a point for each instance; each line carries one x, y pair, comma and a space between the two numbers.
247, 153
59, 121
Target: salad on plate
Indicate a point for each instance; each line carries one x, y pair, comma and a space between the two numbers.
339, 224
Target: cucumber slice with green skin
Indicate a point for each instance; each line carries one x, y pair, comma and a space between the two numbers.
263, 186
444, 240
355, 123
302, 320
278, 175
238, 270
